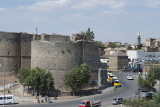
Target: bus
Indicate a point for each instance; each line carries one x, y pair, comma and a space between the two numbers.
9, 99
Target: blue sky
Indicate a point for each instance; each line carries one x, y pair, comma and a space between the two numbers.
111, 20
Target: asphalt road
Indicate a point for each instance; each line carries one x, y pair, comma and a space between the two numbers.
127, 90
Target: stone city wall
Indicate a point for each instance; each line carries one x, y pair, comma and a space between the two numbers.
14, 48
60, 57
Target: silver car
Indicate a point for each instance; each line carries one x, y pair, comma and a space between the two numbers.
117, 101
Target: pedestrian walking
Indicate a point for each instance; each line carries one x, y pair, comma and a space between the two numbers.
41, 100
46, 98
115, 88
38, 101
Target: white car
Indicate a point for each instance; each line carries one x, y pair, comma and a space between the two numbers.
129, 77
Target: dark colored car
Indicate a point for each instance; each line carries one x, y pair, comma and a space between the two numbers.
117, 101
145, 89
125, 69
148, 95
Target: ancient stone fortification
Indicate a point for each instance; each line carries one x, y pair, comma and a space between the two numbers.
54, 52
15, 50
59, 54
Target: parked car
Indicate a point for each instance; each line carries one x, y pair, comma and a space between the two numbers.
125, 69
148, 95
129, 77
117, 101
145, 89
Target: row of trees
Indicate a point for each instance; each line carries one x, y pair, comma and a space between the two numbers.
41, 79
38, 78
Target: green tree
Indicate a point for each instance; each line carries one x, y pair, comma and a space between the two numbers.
23, 75
49, 81
98, 42
77, 77
39, 78
140, 81
150, 80
156, 69
156, 97
112, 45
88, 35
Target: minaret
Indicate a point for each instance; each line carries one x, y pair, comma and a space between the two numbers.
139, 40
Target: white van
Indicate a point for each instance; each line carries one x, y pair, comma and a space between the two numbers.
9, 99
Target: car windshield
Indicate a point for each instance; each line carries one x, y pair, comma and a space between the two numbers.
82, 103
116, 81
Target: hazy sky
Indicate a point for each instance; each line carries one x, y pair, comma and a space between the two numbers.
111, 20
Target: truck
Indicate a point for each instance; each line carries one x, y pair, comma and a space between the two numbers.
90, 103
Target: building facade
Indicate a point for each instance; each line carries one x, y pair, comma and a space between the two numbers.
117, 60
143, 55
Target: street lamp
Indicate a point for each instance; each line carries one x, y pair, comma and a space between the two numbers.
14, 81
3, 85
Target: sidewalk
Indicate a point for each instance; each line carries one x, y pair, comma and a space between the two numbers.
19, 98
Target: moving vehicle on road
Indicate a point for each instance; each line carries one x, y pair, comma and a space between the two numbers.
90, 103
9, 99
116, 83
110, 77
129, 77
117, 101
109, 73
114, 78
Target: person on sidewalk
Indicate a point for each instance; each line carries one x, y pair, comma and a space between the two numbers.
38, 101
41, 100
115, 88
46, 98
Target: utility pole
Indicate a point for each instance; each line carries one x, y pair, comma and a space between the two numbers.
14, 81
3, 86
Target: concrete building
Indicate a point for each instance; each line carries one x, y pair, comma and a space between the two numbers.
150, 42
109, 51
143, 55
117, 60
157, 44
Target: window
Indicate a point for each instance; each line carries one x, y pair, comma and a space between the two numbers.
10, 97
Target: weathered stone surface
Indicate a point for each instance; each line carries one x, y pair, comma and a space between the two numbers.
15, 50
